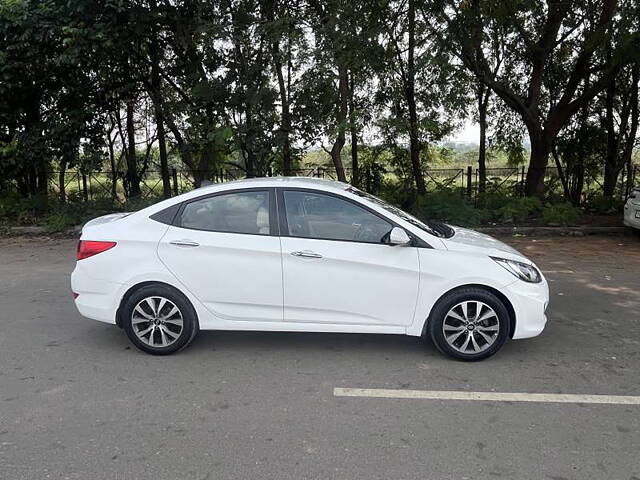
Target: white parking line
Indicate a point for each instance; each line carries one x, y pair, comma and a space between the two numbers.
486, 396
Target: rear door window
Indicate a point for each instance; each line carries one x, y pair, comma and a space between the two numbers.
239, 212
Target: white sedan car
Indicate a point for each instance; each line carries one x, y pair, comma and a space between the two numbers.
632, 209
302, 255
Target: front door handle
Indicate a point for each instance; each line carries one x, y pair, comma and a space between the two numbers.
184, 243
306, 254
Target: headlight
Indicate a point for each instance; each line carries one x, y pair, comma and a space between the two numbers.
523, 271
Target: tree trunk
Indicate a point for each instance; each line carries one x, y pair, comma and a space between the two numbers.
285, 122
112, 164
611, 173
61, 183
156, 98
37, 172
561, 173
162, 147
186, 154
410, 92
540, 150
611, 169
355, 168
341, 119
483, 99
132, 165
620, 144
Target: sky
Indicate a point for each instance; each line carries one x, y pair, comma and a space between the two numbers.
469, 133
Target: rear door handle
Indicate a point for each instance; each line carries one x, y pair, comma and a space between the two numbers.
184, 243
306, 254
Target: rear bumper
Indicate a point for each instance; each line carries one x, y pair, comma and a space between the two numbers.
97, 299
630, 219
530, 301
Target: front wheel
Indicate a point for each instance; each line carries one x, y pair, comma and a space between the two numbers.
469, 324
159, 320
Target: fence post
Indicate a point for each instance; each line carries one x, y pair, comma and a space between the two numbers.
522, 181
85, 192
174, 174
469, 181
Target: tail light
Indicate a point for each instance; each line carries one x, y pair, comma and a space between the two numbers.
89, 248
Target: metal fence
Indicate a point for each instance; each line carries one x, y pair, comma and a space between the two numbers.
85, 186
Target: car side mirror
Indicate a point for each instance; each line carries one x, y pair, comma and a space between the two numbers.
398, 236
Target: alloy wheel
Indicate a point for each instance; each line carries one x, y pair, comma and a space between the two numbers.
471, 327
157, 321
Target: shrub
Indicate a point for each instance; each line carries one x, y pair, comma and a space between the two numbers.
135, 204
604, 205
493, 201
59, 222
21, 210
560, 214
519, 209
450, 207
65, 215
393, 193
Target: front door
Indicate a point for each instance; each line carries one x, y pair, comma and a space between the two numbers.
337, 268
225, 250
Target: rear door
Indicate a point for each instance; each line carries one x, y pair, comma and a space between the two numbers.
224, 248
337, 268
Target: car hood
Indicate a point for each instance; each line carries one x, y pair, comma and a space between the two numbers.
470, 240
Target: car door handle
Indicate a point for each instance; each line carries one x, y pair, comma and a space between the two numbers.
306, 254
184, 243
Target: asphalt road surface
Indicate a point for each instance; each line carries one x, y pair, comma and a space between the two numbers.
78, 402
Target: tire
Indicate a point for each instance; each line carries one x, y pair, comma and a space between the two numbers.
159, 320
463, 332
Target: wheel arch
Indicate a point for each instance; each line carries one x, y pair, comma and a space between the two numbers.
501, 296
131, 290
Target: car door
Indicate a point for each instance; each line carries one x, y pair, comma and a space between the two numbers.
337, 268
224, 248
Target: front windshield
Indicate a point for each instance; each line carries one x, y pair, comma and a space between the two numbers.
434, 228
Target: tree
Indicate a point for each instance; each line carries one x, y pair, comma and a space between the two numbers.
420, 86
343, 33
620, 119
557, 43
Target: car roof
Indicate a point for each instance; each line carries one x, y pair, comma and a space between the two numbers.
299, 182
259, 182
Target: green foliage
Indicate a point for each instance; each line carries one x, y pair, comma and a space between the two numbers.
251, 83
54, 215
519, 209
24, 211
66, 215
134, 204
450, 207
604, 205
59, 222
561, 214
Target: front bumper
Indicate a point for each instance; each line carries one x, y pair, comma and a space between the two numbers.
529, 301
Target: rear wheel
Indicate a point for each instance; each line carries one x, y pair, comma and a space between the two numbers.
159, 320
469, 324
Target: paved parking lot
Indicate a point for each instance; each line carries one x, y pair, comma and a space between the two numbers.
77, 402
